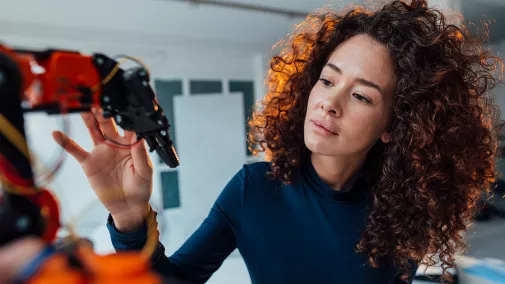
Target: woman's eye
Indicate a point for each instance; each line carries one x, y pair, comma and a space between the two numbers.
361, 98
326, 82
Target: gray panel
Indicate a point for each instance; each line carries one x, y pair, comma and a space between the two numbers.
170, 189
205, 87
165, 92
247, 89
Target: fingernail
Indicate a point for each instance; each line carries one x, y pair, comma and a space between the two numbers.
58, 137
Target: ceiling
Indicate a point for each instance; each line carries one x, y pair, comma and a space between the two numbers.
162, 22
474, 11
302, 6
165, 22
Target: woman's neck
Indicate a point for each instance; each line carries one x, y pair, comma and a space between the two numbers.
337, 172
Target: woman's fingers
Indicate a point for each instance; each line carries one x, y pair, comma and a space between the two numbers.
70, 146
107, 125
141, 161
93, 127
15, 255
128, 135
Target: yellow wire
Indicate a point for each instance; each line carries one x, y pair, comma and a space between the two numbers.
15, 189
152, 229
138, 61
15, 137
152, 235
114, 70
109, 76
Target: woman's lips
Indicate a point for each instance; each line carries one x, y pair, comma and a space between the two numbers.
324, 127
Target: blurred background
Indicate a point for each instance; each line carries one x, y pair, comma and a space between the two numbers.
207, 60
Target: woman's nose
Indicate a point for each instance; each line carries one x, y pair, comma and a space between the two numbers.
332, 105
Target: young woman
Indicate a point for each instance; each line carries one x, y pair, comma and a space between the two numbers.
380, 138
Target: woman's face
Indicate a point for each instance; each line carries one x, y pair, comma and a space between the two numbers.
349, 107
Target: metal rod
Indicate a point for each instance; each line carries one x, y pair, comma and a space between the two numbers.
249, 7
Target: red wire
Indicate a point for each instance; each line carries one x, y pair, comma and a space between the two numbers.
9, 171
42, 198
118, 145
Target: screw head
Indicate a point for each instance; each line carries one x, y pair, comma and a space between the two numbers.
23, 223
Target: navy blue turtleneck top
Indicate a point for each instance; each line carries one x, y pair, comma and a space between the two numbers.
304, 232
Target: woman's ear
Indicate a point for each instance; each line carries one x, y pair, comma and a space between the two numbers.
386, 137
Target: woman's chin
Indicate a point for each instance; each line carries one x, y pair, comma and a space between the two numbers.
323, 148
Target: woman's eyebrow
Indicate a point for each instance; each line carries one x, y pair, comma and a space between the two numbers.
362, 81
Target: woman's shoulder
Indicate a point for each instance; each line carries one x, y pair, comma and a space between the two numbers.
257, 168
256, 173
248, 184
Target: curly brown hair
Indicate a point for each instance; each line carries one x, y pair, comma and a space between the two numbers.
443, 125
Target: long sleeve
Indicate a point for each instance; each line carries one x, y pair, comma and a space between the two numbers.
286, 233
204, 252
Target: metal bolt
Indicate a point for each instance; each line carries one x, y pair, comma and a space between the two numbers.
160, 122
99, 60
106, 99
163, 133
23, 223
144, 83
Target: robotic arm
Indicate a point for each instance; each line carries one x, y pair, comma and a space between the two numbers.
57, 82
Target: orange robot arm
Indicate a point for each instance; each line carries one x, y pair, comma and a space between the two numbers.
57, 81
